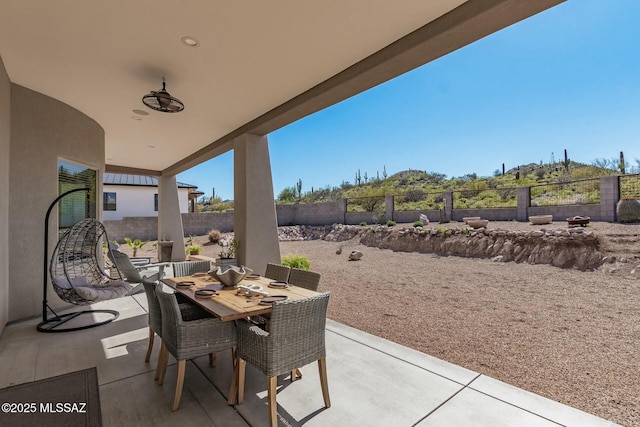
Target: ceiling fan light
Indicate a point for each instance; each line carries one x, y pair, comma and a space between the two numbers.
162, 101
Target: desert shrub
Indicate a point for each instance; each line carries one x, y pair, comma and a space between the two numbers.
628, 210
297, 261
363, 223
214, 236
418, 224
135, 245
378, 218
391, 223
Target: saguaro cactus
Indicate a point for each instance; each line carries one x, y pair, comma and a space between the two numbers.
566, 161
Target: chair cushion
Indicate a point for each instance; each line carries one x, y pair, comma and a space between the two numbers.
75, 282
115, 289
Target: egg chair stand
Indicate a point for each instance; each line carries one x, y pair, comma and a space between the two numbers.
74, 260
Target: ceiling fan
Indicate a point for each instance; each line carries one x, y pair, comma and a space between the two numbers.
161, 100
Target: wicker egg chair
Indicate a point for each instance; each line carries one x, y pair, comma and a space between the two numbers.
78, 277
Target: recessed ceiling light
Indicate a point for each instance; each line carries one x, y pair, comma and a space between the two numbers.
189, 41
136, 118
140, 112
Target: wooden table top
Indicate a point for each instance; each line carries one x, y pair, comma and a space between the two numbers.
228, 305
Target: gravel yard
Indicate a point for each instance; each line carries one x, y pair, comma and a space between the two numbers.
568, 335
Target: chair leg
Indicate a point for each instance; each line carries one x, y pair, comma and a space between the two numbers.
212, 359
150, 346
236, 391
233, 389
322, 368
273, 406
241, 378
296, 374
163, 361
182, 364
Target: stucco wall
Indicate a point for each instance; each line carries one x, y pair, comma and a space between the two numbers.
134, 200
43, 130
5, 125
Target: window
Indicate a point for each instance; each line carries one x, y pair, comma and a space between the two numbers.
80, 204
155, 202
109, 201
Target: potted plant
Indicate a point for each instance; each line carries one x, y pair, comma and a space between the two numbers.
194, 249
165, 248
227, 256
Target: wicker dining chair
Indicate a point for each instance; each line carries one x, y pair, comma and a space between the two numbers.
296, 337
187, 268
305, 279
188, 312
277, 272
188, 339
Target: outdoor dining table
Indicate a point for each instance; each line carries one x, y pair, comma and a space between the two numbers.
228, 305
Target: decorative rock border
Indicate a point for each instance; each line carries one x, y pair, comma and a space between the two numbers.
565, 248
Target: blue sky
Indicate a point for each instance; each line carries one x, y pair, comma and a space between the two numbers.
568, 78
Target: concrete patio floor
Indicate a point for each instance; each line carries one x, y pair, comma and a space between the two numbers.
372, 382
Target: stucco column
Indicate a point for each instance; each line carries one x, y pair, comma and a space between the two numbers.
523, 200
447, 199
609, 196
388, 202
169, 217
254, 219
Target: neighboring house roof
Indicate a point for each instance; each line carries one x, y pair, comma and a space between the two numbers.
136, 180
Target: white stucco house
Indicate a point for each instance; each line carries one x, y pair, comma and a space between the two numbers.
137, 195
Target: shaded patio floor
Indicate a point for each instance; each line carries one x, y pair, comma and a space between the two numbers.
372, 382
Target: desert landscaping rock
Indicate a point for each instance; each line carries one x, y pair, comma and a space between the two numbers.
564, 248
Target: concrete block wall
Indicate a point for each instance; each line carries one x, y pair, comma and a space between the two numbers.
412, 216
139, 227
311, 214
146, 228
523, 201
199, 224
355, 218
609, 196
560, 213
492, 214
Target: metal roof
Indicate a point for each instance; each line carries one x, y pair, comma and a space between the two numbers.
136, 180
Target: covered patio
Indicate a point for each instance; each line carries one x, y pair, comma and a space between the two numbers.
372, 381
72, 75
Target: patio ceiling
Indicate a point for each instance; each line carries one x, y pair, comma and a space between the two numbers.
259, 65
